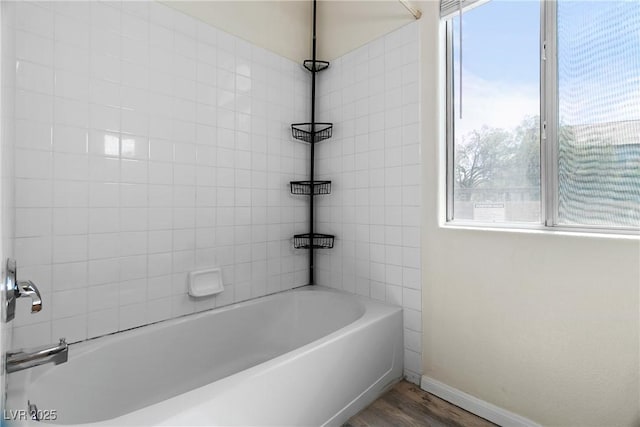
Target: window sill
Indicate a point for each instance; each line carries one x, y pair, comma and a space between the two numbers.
626, 234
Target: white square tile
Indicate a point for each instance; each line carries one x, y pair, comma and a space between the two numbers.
69, 303
74, 329
71, 58
160, 150
160, 218
159, 34
135, 27
185, 45
67, 166
104, 220
105, 93
394, 295
158, 309
133, 291
131, 316
70, 248
412, 298
103, 271
134, 122
70, 112
33, 250
102, 297
70, 221
133, 243
133, 171
34, 18
34, 106
134, 74
159, 287
160, 60
183, 240
183, 218
104, 67
29, 134
33, 222
70, 194
69, 139
34, 77
183, 131
103, 194
411, 278
159, 264
160, 127
134, 219
102, 322
133, 267
207, 33
184, 24
160, 196
33, 164
135, 99
105, 42
133, 195
34, 48
104, 118
413, 361
104, 245
31, 335
104, 169
411, 257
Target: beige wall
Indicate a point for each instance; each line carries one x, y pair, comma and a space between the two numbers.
284, 27
279, 26
346, 25
544, 325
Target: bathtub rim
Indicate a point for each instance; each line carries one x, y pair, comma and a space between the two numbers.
80, 348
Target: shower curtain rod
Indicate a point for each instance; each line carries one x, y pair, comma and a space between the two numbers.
415, 12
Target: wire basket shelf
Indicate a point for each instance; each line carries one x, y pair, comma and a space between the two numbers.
316, 65
320, 241
304, 187
302, 131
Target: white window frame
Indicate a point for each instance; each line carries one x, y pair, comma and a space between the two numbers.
548, 137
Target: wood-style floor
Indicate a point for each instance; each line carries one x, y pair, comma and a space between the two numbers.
407, 405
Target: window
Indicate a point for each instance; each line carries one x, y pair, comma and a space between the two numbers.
543, 113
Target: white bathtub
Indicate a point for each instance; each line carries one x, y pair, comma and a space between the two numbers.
299, 358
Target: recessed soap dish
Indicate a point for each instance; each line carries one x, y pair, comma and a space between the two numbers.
203, 283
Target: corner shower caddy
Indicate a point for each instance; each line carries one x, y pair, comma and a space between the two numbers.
312, 133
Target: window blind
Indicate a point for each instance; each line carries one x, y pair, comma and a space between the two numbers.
452, 7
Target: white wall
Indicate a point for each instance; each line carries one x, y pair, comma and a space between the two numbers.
544, 325
280, 26
149, 144
371, 95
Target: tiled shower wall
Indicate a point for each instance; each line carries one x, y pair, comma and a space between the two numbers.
7, 211
372, 95
148, 145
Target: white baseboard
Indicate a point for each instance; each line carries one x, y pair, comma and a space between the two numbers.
483, 409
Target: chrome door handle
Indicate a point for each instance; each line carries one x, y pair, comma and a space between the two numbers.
15, 289
26, 288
